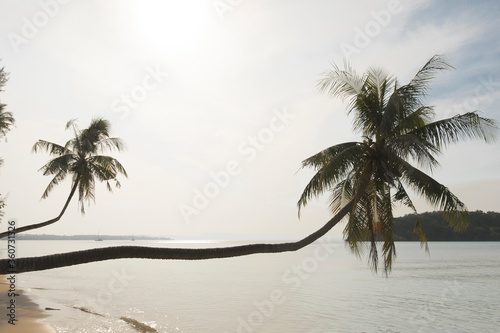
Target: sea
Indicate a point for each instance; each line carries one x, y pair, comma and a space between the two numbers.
320, 288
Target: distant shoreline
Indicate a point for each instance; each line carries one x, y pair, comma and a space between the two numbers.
482, 227
87, 237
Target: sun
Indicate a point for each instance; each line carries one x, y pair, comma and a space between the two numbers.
176, 27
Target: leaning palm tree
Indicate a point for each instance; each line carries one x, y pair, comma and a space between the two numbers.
360, 175
399, 139
80, 158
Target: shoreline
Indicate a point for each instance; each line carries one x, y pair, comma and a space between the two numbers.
28, 313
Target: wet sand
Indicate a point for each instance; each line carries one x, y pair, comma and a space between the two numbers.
28, 313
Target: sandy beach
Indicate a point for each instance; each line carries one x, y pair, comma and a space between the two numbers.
28, 314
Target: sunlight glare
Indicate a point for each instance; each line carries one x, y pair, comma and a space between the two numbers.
175, 27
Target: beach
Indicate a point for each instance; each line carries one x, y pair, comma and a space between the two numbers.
27, 313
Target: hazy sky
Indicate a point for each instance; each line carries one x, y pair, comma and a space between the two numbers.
218, 104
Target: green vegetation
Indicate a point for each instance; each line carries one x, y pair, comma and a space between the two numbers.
80, 158
6, 122
482, 227
6, 118
399, 139
397, 131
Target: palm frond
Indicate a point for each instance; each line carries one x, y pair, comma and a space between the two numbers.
333, 164
367, 116
86, 191
452, 130
419, 85
54, 166
379, 81
408, 122
50, 147
372, 218
320, 159
412, 146
59, 176
343, 83
387, 227
107, 166
402, 196
342, 193
312, 189
98, 127
120, 168
370, 103
111, 144
6, 121
356, 229
437, 195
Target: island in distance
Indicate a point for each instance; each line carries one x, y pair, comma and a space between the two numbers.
483, 226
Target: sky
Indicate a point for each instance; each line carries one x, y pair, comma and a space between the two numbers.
217, 101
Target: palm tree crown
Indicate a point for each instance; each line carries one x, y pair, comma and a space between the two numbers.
398, 133
6, 121
6, 118
81, 158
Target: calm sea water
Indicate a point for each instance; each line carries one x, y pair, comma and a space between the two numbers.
322, 288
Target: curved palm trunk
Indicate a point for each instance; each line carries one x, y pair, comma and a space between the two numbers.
43, 224
122, 252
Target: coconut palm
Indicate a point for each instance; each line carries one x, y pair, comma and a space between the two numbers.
399, 139
361, 176
80, 158
32, 264
6, 118
6, 121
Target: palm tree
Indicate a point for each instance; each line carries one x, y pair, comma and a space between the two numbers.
360, 175
6, 118
80, 157
6, 121
32, 264
398, 133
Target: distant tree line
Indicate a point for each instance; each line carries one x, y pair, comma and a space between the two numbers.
483, 226
87, 237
